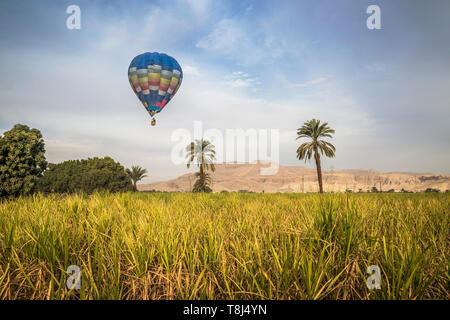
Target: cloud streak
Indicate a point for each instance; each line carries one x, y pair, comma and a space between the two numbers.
307, 83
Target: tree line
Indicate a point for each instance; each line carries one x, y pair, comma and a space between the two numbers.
24, 169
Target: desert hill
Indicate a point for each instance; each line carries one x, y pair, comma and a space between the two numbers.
240, 177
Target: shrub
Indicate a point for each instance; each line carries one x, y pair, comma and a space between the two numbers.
85, 176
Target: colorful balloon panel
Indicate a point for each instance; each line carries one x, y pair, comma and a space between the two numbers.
155, 78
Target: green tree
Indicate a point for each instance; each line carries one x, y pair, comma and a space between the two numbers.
202, 151
22, 160
85, 175
136, 174
315, 131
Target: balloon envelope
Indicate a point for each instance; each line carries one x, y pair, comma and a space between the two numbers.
155, 78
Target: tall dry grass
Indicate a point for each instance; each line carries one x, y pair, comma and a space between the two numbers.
225, 246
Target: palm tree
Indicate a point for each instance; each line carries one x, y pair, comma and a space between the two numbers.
203, 152
202, 185
136, 174
315, 131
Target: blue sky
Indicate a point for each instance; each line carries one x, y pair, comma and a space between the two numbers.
247, 64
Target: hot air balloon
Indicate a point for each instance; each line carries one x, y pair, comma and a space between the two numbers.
155, 78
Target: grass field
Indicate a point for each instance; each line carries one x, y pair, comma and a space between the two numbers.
225, 246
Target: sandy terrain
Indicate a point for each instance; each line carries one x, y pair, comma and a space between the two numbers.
236, 177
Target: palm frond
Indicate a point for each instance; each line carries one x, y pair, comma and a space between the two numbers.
203, 152
136, 173
315, 131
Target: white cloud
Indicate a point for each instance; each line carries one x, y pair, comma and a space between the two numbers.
199, 7
239, 83
161, 28
276, 46
240, 79
239, 74
190, 70
114, 36
375, 67
226, 37
307, 83
58, 150
235, 41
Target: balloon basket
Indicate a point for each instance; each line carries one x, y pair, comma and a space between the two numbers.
153, 122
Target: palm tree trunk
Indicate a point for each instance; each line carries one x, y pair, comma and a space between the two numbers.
319, 169
202, 178
134, 187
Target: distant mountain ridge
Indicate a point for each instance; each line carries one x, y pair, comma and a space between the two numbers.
247, 177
